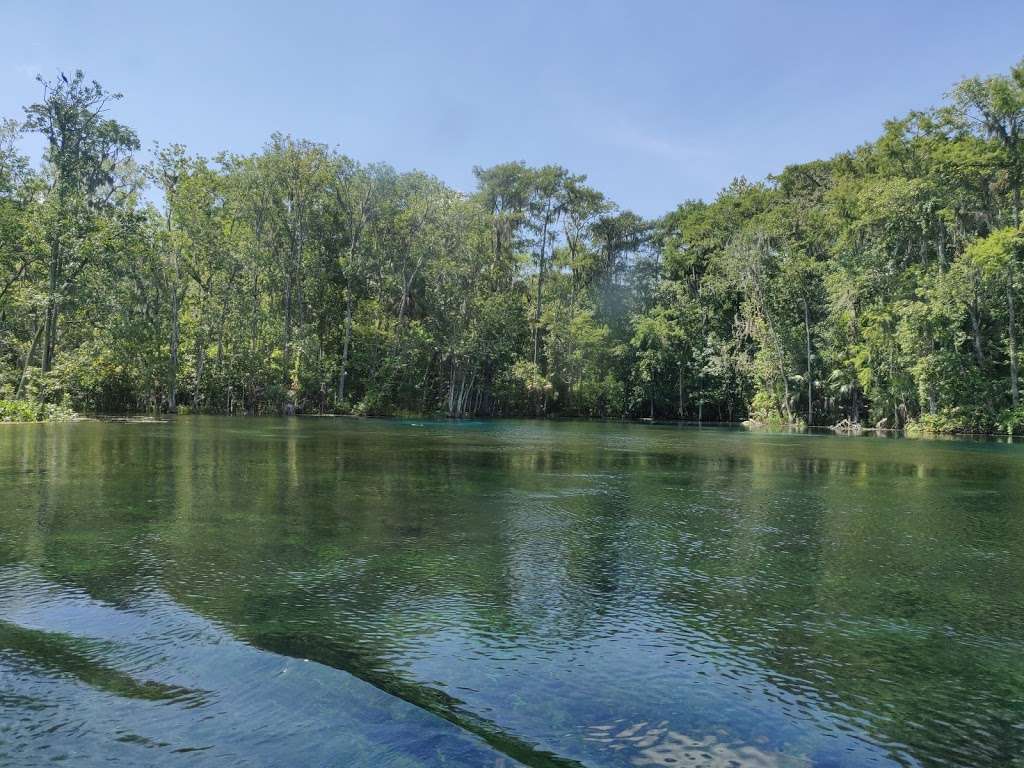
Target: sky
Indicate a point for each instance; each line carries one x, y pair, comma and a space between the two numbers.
657, 102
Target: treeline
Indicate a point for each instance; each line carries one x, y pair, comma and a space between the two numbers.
882, 284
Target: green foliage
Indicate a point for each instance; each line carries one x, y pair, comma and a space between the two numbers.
522, 387
881, 285
1011, 421
993, 254
25, 410
953, 420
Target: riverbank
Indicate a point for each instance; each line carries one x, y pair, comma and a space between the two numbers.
913, 430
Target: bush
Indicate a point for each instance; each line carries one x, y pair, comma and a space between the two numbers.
522, 387
375, 403
601, 397
952, 421
1011, 421
27, 411
764, 411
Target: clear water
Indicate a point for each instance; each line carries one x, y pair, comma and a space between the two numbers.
229, 592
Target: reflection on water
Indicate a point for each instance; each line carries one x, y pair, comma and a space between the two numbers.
659, 745
264, 592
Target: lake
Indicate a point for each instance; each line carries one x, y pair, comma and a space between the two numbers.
267, 592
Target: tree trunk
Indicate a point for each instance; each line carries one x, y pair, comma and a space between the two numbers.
286, 376
10, 283
975, 314
172, 374
343, 374
200, 353
349, 269
540, 288
28, 359
200, 350
50, 332
175, 341
810, 379
1014, 389
680, 390
451, 389
786, 412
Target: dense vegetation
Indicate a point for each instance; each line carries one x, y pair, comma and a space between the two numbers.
883, 283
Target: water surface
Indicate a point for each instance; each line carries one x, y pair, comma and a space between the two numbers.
229, 592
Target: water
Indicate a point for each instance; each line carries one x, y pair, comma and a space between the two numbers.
229, 592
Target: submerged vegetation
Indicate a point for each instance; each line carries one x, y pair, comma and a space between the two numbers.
881, 287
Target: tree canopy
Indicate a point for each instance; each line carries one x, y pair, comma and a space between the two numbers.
880, 285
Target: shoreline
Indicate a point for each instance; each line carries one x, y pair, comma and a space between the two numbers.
911, 434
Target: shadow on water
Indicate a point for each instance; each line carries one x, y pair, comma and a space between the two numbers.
81, 659
93, 698
312, 646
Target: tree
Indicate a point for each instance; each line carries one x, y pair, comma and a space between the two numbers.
996, 106
170, 165
996, 257
880, 283
85, 154
546, 205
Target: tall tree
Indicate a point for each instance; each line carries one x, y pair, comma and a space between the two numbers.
85, 151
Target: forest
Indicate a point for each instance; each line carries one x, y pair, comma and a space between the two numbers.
880, 287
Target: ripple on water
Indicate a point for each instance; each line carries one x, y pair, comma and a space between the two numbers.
173, 688
607, 594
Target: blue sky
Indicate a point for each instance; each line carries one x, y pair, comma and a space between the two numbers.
656, 101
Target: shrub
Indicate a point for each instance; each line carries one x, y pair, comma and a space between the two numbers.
955, 420
27, 410
1011, 421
